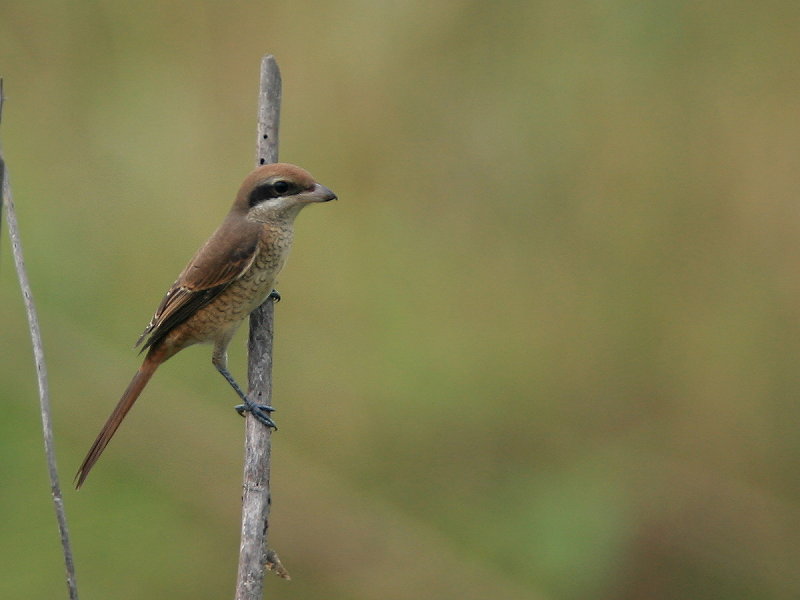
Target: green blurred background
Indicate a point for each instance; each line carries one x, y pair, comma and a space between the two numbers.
545, 346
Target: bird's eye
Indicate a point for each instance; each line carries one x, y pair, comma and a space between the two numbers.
280, 187
269, 190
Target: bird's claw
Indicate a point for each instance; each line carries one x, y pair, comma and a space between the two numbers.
274, 295
260, 411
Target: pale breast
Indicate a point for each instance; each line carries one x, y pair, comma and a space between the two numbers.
252, 288
245, 293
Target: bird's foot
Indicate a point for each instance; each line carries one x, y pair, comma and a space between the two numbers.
260, 411
274, 295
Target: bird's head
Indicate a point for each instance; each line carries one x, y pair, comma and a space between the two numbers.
279, 191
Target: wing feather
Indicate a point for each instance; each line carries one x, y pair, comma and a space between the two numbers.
227, 255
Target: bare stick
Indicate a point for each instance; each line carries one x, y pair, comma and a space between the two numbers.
41, 369
253, 552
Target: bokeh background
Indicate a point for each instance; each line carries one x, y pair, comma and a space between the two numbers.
546, 345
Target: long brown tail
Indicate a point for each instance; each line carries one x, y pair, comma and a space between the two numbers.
132, 392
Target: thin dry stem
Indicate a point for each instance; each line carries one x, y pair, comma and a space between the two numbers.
254, 554
41, 369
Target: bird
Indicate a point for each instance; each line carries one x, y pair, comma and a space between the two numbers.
229, 276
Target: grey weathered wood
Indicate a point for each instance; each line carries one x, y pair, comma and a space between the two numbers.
41, 369
253, 551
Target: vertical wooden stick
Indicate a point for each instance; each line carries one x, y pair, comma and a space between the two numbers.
41, 369
253, 551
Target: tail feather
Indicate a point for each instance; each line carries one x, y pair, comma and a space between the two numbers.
125, 403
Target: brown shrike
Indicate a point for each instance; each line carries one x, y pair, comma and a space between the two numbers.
230, 276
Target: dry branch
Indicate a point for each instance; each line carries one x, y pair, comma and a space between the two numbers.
254, 555
41, 368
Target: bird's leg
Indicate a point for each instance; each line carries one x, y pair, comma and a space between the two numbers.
259, 411
274, 295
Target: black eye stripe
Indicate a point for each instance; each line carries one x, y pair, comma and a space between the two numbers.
265, 191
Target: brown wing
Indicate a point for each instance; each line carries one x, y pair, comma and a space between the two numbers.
223, 259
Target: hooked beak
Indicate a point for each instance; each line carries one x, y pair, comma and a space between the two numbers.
321, 194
